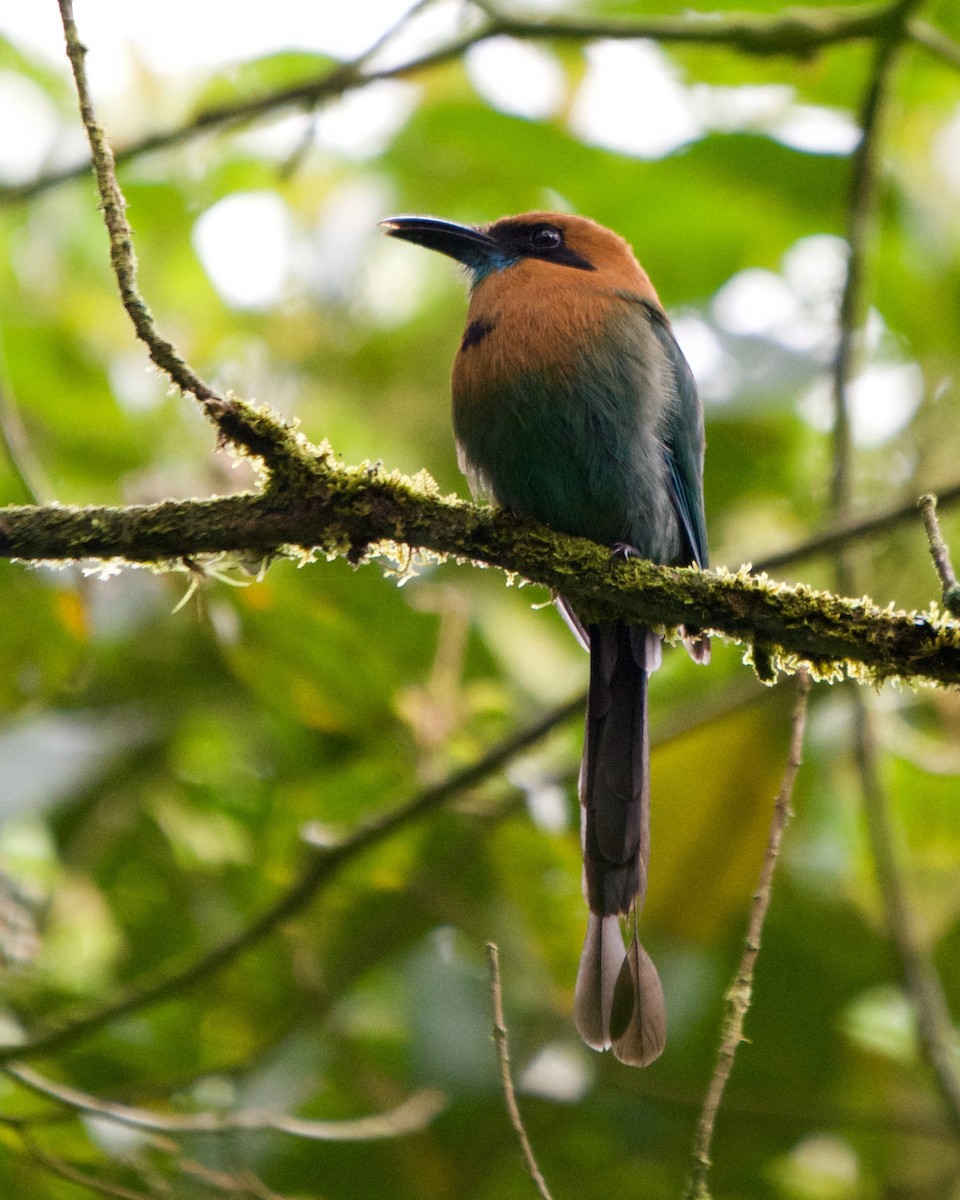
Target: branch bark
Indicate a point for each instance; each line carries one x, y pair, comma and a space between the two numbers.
359, 512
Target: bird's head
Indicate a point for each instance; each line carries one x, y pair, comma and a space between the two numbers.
557, 240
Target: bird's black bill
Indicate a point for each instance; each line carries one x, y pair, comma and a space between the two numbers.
467, 245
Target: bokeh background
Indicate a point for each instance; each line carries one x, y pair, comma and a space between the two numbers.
160, 762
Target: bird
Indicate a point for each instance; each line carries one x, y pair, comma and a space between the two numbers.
573, 404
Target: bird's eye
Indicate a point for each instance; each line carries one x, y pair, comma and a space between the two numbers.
546, 237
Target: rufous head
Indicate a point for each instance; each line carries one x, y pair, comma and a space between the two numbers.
558, 241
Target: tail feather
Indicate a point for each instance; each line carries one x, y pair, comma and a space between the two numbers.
601, 962
618, 999
638, 1019
615, 780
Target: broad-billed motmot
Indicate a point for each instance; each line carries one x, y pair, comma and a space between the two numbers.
572, 402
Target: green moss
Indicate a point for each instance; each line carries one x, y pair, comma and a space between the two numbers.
311, 502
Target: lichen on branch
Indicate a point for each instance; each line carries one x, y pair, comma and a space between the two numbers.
311, 502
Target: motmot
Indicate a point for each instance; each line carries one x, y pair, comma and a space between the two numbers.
573, 403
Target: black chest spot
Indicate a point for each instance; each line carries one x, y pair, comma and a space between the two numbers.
475, 332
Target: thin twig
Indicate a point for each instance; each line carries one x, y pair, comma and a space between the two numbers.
412, 1115
937, 1035
740, 993
753, 1105
843, 533
506, 1080
349, 70
863, 181
122, 255
940, 554
234, 419
322, 866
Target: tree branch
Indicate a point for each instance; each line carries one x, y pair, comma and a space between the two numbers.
63, 1169
935, 1026
292, 465
256, 432
940, 554
506, 1079
360, 511
796, 32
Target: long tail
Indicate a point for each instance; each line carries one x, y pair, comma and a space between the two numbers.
618, 1000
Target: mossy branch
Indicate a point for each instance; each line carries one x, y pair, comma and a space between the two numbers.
312, 502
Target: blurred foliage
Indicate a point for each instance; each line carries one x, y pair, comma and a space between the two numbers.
159, 765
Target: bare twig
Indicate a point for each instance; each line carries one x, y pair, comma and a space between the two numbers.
741, 990
506, 1080
122, 255
264, 437
934, 1025
347, 72
940, 554
412, 1115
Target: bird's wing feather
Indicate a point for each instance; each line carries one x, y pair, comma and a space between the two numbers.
683, 442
